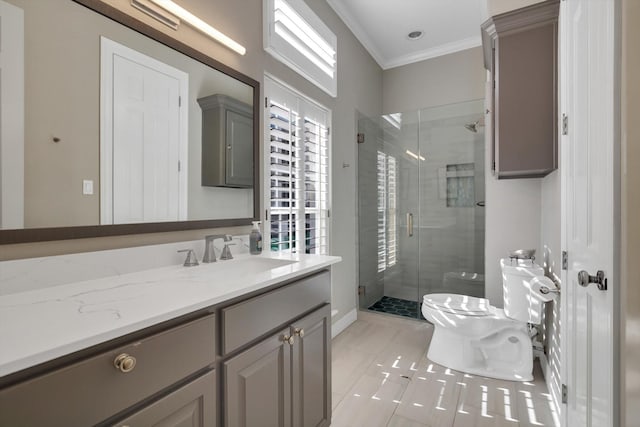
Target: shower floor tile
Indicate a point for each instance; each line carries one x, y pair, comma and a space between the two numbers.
397, 306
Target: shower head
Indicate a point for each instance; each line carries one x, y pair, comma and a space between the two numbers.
473, 127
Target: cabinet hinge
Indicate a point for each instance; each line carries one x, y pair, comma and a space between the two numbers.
565, 394
565, 260
565, 124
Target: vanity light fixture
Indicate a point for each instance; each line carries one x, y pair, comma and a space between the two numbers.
156, 13
200, 25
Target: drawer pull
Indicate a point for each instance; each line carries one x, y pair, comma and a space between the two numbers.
299, 332
124, 363
288, 339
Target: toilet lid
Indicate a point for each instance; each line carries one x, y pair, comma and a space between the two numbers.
458, 304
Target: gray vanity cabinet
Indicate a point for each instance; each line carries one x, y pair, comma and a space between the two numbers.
311, 372
227, 142
520, 52
94, 390
192, 405
283, 380
258, 386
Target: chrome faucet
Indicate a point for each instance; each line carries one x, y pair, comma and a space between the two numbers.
209, 250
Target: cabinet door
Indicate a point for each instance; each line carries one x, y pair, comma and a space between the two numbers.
193, 405
311, 371
257, 385
239, 159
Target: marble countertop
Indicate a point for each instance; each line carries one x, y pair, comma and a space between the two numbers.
41, 325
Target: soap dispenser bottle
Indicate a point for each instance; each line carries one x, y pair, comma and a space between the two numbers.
255, 239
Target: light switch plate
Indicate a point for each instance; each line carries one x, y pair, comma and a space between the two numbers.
87, 187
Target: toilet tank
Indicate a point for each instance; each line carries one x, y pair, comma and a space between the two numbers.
519, 303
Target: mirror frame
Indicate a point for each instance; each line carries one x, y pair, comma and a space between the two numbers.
27, 235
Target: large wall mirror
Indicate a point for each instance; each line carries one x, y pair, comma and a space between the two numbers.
123, 128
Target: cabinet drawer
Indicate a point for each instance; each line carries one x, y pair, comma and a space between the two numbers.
92, 390
250, 319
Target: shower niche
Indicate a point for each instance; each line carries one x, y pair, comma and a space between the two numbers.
421, 216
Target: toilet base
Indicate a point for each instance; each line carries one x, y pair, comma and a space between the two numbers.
506, 354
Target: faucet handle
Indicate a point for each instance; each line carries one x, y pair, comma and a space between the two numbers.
191, 260
226, 251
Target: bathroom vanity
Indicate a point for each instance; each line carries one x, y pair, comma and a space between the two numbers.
245, 342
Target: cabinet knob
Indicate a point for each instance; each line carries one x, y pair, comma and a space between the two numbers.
124, 363
288, 339
299, 332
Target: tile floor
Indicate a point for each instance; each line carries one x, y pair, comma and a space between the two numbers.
401, 307
382, 377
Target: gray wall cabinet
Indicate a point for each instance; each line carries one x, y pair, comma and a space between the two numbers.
273, 347
227, 142
520, 52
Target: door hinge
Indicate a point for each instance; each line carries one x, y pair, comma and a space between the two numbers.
266, 102
179, 168
328, 213
565, 260
328, 130
565, 124
565, 394
360, 138
179, 101
361, 290
266, 214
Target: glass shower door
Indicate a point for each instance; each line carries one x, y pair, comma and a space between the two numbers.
452, 199
388, 195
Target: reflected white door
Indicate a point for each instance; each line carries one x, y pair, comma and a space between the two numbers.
588, 97
11, 116
145, 140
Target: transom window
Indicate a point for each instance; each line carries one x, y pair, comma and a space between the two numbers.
296, 36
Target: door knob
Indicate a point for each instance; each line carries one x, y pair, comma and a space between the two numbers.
584, 278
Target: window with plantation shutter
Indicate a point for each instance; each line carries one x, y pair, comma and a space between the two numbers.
298, 172
386, 186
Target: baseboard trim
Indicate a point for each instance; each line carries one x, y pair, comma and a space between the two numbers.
342, 323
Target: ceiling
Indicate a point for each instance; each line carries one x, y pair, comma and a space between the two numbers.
382, 27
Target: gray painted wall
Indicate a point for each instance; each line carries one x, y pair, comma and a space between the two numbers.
447, 79
630, 174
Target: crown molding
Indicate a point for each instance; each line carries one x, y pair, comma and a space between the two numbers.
357, 30
444, 49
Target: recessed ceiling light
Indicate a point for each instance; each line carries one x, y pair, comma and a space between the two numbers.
415, 35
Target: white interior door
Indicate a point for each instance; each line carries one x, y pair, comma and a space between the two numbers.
144, 144
11, 116
588, 58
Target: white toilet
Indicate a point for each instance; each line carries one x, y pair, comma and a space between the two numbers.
472, 336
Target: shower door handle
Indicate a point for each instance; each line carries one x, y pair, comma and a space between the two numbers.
409, 224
